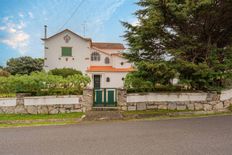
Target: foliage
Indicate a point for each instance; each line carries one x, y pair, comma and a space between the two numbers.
150, 77
41, 83
65, 72
24, 65
4, 73
193, 37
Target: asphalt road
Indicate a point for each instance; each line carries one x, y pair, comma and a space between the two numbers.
206, 136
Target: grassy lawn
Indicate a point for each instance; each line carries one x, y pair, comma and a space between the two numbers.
160, 114
15, 120
153, 112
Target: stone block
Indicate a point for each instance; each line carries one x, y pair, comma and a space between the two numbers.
43, 109
54, 111
181, 107
124, 108
190, 106
131, 108
77, 106
31, 109
76, 110
62, 110
218, 106
199, 106
20, 109
150, 107
172, 106
8, 110
141, 106
227, 103
1, 111
207, 107
163, 106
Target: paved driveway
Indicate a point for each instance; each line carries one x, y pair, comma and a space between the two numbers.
211, 136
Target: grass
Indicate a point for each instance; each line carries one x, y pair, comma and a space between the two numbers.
18, 120
153, 112
10, 117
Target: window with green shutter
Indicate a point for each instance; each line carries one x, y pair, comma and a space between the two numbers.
67, 51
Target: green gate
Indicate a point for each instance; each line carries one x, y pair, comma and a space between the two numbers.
105, 97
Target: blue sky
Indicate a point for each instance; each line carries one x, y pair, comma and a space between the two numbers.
22, 21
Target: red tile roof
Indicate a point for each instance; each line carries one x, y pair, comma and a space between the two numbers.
108, 69
108, 45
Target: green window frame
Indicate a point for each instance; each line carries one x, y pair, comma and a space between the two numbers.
66, 51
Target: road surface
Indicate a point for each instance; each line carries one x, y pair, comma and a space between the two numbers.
196, 136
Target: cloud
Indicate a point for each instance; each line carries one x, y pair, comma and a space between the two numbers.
15, 36
21, 14
30, 14
135, 22
103, 16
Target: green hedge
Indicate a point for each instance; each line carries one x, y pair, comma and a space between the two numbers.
41, 83
65, 72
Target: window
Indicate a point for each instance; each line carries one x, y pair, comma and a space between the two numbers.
122, 63
95, 56
123, 79
107, 79
107, 60
66, 51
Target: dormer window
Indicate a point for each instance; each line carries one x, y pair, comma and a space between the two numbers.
107, 60
95, 56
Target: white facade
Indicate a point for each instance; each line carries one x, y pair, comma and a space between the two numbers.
112, 73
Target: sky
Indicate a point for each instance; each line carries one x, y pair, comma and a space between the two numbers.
22, 22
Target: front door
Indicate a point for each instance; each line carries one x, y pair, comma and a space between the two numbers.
97, 81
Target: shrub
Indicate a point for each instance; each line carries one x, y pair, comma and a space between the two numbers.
4, 73
65, 72
41, 83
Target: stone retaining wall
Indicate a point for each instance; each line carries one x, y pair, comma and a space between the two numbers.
42, 105
180, 101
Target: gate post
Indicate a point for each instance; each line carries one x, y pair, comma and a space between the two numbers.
87, 99
122, 97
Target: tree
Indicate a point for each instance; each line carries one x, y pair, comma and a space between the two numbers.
65, 72
24, 65
194, 36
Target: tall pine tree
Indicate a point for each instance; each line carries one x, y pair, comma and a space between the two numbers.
194, 37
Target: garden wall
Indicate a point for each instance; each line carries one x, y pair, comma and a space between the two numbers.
41, 104
180, 101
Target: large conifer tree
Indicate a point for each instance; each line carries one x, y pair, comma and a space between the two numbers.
194, 37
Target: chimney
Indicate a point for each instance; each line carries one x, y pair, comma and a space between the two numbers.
45, 31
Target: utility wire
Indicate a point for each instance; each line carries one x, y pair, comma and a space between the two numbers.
74, 12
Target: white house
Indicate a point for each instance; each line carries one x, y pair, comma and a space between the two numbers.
102, 62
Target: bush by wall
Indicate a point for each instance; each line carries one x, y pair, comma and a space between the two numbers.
65, 72
41, 83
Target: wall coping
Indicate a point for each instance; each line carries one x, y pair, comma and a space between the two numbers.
8, 98
55, 96
165, 93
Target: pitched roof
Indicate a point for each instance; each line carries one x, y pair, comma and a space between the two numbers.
108, 45
108, 69
87, 39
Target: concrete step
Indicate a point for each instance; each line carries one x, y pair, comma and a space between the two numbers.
103, 115
105, 108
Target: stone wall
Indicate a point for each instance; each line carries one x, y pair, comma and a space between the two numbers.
179, 101
53, 105
87, 101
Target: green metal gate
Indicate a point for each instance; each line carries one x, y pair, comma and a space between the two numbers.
105, 97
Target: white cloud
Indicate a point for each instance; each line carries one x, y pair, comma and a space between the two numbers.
21, 14
103, 16
135, 22
30, 14
15, 36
